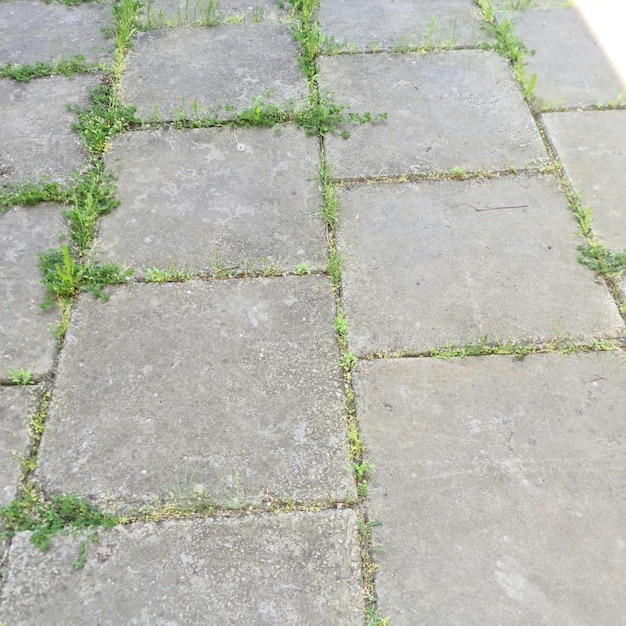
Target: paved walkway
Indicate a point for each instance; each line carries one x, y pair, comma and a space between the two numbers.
350, 379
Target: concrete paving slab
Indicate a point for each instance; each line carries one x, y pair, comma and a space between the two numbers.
371, 24
296, 568
17, 404
37, 139
187, 196
167, 70
178, 12
38, 31
499, 483
26, 337
235, 383
590, 145
448, 109
426, 264
571, 67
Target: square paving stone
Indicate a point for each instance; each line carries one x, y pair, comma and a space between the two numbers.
499, 483
295, 568
571, 67
230, 389
429, 263
168, 73
26, 337
179, 12
39, 31
449, 109
37, 139
17, 404
369, 24
191, 195
591, 145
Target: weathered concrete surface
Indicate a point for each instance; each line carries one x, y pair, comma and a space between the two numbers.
167, 70
385, 24
446, 109
187, 196
295, 568
35, 126
590, 145
179, 12
68, 30
499, 483
571, 68
235, 383
16, 406
426, 265
26, 338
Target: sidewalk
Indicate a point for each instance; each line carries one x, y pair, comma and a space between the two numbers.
336, 314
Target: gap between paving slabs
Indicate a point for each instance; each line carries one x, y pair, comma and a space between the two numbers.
71, 270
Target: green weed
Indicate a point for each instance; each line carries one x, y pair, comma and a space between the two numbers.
27, 193
62, 514
602, 260
102, 118
126, 14
170, 275
64, 277
364, 528
20, 376
511, 47
64, 67
517, 348
81, 560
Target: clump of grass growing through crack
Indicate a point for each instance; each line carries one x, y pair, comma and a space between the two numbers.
511, 47
20, 376
75, 64
102, 118
62, 514
64, 277
368, 548
70, 269
518, 348
192, 12
27, 193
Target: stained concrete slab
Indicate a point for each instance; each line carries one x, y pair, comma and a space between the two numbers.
449, 109
17, 404
499, 483
571, 67
191, 195
372, 24
69, 30
590, 145
167, 70
296, 568
37, 139
178, 12
235, 383
26, 337
429, 263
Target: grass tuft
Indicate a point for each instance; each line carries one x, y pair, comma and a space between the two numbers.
76, 64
